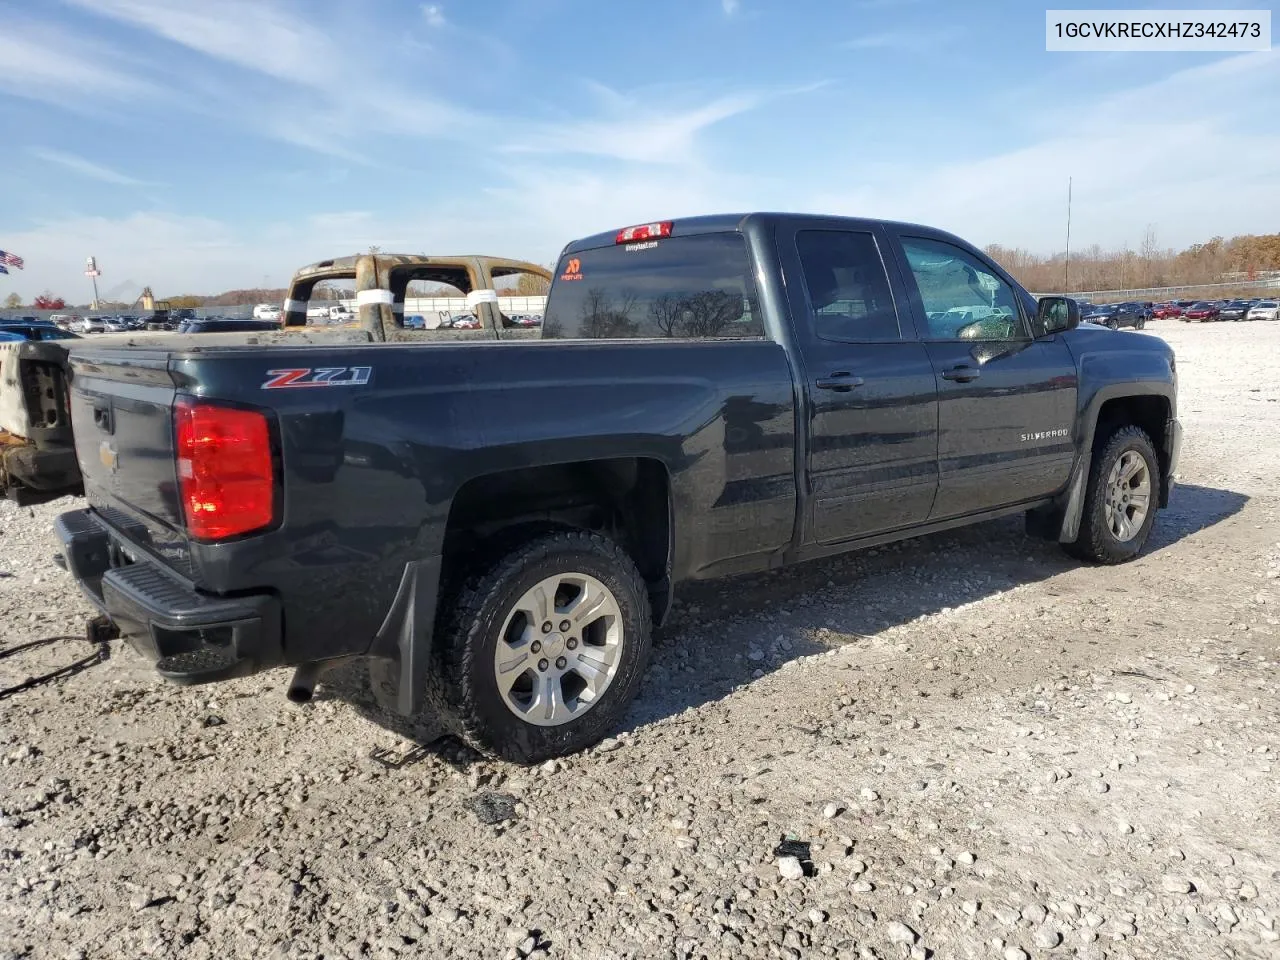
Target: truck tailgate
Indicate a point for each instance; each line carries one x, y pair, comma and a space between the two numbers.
122, 418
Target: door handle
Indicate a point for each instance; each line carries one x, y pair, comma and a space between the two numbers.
962, 374
842, 381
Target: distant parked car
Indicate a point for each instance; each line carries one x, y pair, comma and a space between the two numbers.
39, 330
224, 325
462, 321
1233, 310
341, 313
63, 320
1117, 315
1161, 311
415, 322
1201, 311
1265, 310
89, 325
266, 311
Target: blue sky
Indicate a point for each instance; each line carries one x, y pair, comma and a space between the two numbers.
198, 146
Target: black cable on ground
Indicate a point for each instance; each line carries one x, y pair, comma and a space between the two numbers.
98, 656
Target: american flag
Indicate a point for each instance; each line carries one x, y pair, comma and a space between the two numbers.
3, 268
12, 259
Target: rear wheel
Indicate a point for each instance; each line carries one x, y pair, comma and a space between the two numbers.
1121, 499
545, 646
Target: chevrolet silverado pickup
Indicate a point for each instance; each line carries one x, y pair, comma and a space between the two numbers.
495, 526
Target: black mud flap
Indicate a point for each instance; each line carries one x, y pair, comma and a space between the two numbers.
1060, 521
401, 651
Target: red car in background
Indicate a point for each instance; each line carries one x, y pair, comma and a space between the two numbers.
1201, 311
1162, 310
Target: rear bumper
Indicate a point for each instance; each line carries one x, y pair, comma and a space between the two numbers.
193, 637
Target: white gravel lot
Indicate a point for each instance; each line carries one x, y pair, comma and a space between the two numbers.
991, 751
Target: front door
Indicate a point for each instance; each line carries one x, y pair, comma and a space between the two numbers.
1006, 400
873, 411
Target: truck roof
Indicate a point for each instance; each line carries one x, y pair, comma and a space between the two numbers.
731, 222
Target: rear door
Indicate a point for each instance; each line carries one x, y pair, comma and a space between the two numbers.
873, 409
1006, 400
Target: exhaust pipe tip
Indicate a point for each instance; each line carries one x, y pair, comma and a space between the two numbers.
303, 685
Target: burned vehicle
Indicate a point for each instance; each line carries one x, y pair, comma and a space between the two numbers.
37, 451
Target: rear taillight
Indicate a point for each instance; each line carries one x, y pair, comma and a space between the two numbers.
646, 231
226, 475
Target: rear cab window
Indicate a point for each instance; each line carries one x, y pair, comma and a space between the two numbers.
693, 287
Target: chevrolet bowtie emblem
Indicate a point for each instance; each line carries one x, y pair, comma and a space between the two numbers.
107, 454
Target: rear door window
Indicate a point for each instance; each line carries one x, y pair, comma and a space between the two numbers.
687, 288
847, 285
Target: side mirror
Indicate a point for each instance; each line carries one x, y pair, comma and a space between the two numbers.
1056, 314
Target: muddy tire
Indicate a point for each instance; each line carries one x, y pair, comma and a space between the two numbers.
544, 646
1121, 499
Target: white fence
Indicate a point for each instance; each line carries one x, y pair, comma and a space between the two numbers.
1200, 291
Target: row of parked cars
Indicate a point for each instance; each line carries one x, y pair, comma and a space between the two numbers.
467, 321
1136, 314
1239, 309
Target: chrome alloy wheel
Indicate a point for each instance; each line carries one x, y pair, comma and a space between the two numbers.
1128, 495
559, 649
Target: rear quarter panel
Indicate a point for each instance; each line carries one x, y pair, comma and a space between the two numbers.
370, 471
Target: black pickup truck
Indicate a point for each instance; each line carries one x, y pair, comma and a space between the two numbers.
496, 525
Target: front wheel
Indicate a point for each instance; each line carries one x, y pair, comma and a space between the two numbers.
1121, 499
545, 646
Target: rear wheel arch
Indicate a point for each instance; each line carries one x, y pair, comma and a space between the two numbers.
628, 499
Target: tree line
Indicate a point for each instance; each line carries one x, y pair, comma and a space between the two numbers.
1218, 260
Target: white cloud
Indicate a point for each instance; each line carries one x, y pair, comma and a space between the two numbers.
41, 63
636, 131
433, 14
730, 7
1134, 160
254, 35
86, 168
324, 97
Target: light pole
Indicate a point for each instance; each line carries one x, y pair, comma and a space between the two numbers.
91, 270
1066, 266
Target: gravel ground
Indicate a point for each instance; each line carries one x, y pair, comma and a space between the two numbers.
989, 751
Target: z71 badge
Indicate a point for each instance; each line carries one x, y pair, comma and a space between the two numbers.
317, 377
